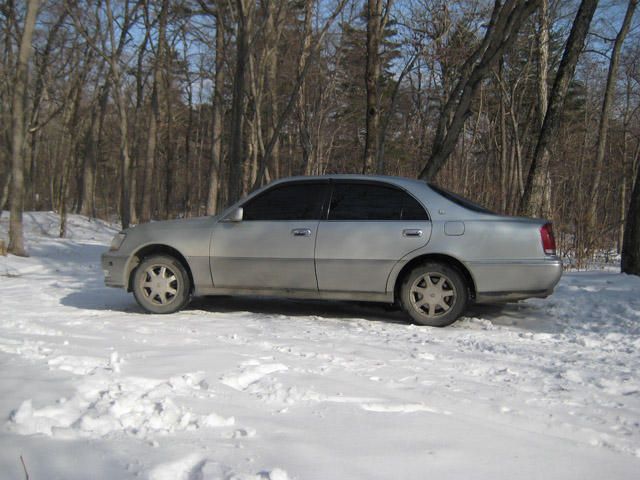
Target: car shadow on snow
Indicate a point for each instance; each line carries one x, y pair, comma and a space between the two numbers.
515, 315
114, 300
520, 315
300, 308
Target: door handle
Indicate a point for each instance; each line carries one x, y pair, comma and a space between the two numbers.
412, 232
301, 232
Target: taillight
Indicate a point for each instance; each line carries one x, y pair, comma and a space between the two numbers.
548, 241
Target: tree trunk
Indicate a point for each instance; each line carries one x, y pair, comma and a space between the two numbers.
216, 120
503, 142
303, 113
169, 207
631, 244
152, 134
90, 155
375, 26
386, 120
238, 103
543, 61
191, 175
274, 28
125, 160
16, 237
4, 192
543, 92
150, 158
605, 112
533, 201
123, 118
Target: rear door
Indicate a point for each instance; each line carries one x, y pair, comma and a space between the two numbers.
273, 246
369, 227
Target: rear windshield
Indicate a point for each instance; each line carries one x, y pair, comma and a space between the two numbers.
458, 200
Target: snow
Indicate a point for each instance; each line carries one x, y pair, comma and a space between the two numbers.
246, 388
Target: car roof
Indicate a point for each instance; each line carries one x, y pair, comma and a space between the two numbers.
353, 176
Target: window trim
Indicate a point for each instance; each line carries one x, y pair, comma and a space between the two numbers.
377, 183
323, 206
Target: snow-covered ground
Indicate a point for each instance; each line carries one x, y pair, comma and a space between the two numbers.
268, 389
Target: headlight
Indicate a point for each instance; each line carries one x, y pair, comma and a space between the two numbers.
117, 241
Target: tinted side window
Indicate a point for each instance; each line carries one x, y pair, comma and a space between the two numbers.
353, 201
302, 201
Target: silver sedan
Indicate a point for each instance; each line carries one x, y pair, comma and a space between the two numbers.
346, 237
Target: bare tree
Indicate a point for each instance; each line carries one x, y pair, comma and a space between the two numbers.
91, 152
110, 47
213, 179
506, 20
377, 15
304, 133
38, 119
603, 128
139, 84
16, 237
154, 117
244, 13
386, 119
631, 245
302, 73
533, 202
543, 88
543, 60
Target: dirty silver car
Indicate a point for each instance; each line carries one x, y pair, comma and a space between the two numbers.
347, 237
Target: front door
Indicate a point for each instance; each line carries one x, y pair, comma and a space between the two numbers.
273, 246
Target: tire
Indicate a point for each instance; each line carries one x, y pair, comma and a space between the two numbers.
434, 294
161, 284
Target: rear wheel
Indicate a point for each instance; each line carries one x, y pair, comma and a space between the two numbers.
434, 294
161, 284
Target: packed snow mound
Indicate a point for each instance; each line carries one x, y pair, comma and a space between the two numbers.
105, 403
246, 388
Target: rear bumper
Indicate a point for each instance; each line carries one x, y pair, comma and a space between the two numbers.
510, 280
114, 268
504, 297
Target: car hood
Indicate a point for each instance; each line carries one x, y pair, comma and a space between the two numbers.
178, 224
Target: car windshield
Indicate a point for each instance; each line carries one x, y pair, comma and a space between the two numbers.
458, 200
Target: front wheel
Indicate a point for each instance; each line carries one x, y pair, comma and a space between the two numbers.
161, 284
434, 294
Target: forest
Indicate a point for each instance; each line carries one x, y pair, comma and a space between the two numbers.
141, 110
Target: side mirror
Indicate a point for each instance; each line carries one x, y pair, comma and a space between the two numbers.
235, 215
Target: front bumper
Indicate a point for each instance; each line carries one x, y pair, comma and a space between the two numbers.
114, 267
